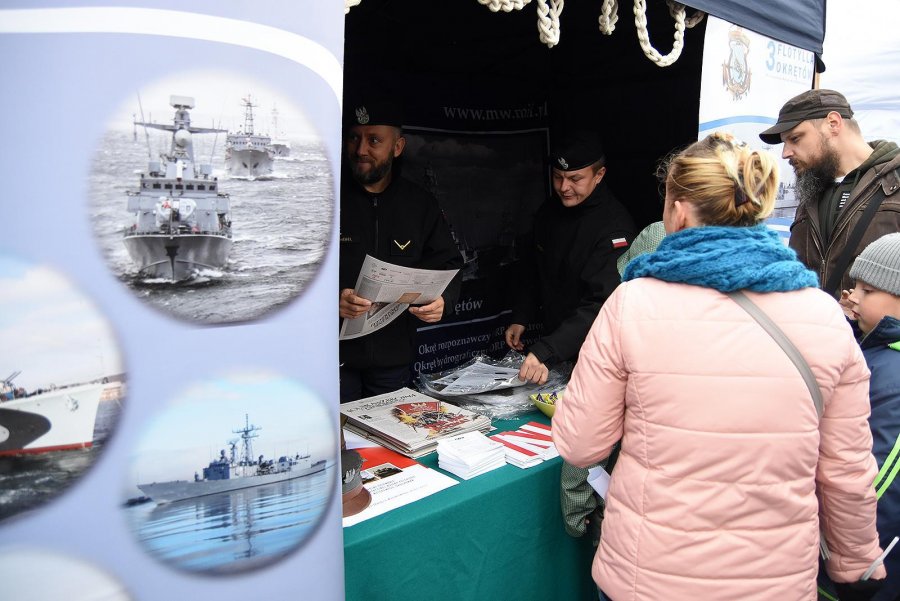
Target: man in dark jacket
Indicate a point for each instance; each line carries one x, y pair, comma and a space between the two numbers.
394, 220
839, 175
578, 235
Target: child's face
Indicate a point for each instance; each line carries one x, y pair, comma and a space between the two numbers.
870, 305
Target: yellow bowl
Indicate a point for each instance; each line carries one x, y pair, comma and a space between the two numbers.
541, 402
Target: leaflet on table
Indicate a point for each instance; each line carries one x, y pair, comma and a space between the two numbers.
394, 481
409, 420
478, 377
528, 446
391, 289
470, 454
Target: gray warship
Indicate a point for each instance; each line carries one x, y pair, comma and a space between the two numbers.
281, 146
181, 221
247, 153
234, 470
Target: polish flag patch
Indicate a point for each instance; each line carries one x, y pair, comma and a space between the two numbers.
619, 242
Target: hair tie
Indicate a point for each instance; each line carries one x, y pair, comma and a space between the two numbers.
739, 196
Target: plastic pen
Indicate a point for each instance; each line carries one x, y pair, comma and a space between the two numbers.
880, 559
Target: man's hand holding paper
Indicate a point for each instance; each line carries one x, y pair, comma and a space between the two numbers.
352, 306
430, 313
384, 291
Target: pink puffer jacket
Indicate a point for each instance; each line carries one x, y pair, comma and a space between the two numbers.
714, 495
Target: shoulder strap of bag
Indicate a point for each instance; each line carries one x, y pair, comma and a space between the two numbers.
785, 343
834, 280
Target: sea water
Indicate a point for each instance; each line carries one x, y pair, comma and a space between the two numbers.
233, 531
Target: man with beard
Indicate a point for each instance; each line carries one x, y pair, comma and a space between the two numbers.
392, 219
839, 177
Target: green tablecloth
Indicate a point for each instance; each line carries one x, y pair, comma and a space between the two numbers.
497, 536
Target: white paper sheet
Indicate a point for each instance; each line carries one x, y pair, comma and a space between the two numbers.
392, 289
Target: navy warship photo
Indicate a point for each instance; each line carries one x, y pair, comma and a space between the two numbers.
247, 153
181, 222
234, 471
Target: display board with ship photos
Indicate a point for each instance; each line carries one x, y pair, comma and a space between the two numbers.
166, 429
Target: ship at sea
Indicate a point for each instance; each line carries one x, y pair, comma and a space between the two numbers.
235, 470
281, 146
41, 421
181, 222
247, 153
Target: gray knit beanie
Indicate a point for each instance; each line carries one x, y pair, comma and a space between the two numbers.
879, 264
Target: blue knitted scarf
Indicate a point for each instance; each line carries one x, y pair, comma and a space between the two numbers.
725, 258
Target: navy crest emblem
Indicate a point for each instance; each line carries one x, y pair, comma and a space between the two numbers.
562, 162
362, 115
735, 71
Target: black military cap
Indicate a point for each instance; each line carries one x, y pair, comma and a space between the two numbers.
373, 111
812, 104
574, 151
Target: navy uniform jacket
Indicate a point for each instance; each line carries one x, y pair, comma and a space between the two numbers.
402, 225
574, 255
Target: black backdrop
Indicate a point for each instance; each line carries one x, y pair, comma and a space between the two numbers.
460, 68
459, 54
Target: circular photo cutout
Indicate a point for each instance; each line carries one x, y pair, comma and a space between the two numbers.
233, 476
212, 197
39, 575
62, 384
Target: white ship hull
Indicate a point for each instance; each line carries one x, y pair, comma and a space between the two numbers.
249, 162
177, 257
281, 149
52, 421
178, 490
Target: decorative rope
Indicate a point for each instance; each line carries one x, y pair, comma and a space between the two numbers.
504, 5
609, 16
548, 21
678, 13
548, 12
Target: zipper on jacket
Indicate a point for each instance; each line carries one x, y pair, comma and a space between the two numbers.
369, 346
375, 208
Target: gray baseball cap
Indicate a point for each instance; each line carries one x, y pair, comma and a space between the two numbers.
812, 104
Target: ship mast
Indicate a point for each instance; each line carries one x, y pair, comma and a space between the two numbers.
248, 115
247, 436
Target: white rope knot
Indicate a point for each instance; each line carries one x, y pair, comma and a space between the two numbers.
678, 13
548, 21
504, 5
609, 16
548, 12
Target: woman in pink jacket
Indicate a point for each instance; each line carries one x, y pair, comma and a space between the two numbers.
727, 473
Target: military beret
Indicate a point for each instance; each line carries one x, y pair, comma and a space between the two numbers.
370, 111
574, 151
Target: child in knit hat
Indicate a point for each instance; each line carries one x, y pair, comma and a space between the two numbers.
875, 306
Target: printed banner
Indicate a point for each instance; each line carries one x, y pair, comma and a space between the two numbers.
746, 79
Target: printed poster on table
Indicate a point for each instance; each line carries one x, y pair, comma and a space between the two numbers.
392, 479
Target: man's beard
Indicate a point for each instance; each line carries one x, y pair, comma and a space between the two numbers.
375, 174
815, 179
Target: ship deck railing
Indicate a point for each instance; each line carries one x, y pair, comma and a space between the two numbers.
127, 232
